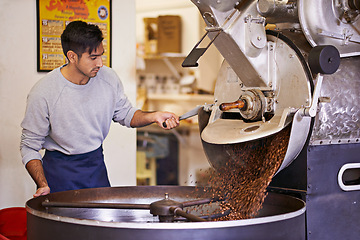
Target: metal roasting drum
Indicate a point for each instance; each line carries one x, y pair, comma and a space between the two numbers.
266, 81
270, 80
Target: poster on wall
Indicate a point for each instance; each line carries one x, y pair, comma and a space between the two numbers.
52, 18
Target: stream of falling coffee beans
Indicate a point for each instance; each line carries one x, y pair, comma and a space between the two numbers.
247, 173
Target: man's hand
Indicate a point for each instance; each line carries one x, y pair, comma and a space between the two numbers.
36, 171
141, 119
167, 120
42, 191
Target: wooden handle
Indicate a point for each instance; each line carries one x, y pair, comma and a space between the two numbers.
227, 106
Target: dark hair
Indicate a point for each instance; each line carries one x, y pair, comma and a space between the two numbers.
80, 36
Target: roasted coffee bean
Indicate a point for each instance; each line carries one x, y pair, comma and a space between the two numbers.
247, 173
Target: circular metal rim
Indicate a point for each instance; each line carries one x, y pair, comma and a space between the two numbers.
158, 225
182, 225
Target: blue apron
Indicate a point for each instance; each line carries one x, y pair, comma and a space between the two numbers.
69, 172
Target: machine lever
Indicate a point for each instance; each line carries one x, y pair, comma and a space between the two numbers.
311, 111
322, 60
179, 212
196, 53
237, 104
192, 112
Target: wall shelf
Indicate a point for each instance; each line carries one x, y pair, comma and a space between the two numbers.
171, 61
204, 98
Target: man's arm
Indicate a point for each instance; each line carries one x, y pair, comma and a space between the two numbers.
36, 171
141, 119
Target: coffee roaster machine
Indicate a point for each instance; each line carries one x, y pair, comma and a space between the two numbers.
306, 73
287, 64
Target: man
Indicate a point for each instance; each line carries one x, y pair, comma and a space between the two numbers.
69, 113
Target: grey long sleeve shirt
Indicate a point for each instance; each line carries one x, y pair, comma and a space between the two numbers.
71, 118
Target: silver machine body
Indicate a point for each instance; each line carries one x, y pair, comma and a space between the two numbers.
273, 71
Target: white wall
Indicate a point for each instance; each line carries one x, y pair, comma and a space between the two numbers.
120, 145
18, 74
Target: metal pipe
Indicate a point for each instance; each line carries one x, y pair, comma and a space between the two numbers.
179, 212
278, 11
95, 205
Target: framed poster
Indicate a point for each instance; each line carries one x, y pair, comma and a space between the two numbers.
52, 18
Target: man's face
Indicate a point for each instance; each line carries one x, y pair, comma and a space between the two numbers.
89, 64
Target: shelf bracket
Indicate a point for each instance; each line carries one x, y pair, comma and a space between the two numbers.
172, 68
